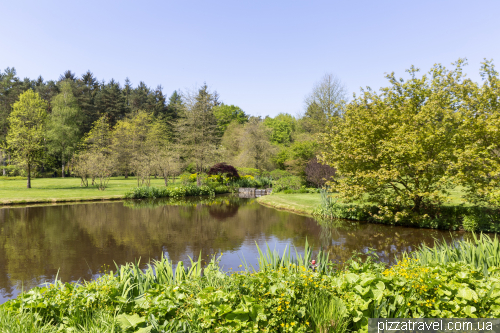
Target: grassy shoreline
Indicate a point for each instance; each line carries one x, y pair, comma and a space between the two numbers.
301, 203
57, 190
454, 215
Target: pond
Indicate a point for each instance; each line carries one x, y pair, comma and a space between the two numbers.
75, 241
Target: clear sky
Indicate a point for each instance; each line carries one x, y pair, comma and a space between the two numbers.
263, 56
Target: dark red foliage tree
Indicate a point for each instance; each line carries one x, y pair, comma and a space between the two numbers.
224, 169
318, 174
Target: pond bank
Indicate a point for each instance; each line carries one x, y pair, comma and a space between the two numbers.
301, 203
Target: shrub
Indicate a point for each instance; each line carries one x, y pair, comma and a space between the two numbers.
439, 217
224, 170
174, 192
302, 190
470, 223
248, 172
245, 181
287, 183
13, 178
187, 178
318, 174
278, 174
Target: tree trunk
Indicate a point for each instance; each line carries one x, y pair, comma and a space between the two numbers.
29, 176
198, 180
63, 169
4, 160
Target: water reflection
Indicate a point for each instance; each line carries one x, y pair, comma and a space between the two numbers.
77, 240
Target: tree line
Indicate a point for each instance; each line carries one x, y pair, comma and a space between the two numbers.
97, 129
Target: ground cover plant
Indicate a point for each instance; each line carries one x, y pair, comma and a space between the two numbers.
283, 294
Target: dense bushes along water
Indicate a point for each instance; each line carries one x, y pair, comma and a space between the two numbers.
175, 192
447, 217
283, 295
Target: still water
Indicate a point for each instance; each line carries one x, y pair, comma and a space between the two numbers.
76, 240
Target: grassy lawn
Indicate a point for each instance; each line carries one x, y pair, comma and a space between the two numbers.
65, 189
305, 203
302, 203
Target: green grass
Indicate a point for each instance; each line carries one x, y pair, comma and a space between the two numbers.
305, 203
302, 203
65, 189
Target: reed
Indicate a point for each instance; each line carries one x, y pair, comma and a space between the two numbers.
135, 281
481, 252
271, 260
328, 313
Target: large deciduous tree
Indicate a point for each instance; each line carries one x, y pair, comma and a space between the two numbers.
27, 130
10, 88
225, 114
326, 99
255, 145
478, 150
63, 132
397, 148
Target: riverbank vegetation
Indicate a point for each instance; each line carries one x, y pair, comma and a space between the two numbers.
397, 156
282, 294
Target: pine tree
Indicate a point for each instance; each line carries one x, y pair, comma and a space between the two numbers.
197, 130
88, 89
110, 102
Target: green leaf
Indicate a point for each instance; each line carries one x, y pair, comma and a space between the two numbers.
224, 308
352, 278
469, 310
238, 315
380, 285
467, 293
126, 321
142, 303
144, 329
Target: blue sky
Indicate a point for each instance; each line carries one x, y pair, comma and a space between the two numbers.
263, 56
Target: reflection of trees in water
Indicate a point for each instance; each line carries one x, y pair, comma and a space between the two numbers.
342, 237
35, 242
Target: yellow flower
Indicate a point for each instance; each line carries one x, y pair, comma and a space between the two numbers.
282, 324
